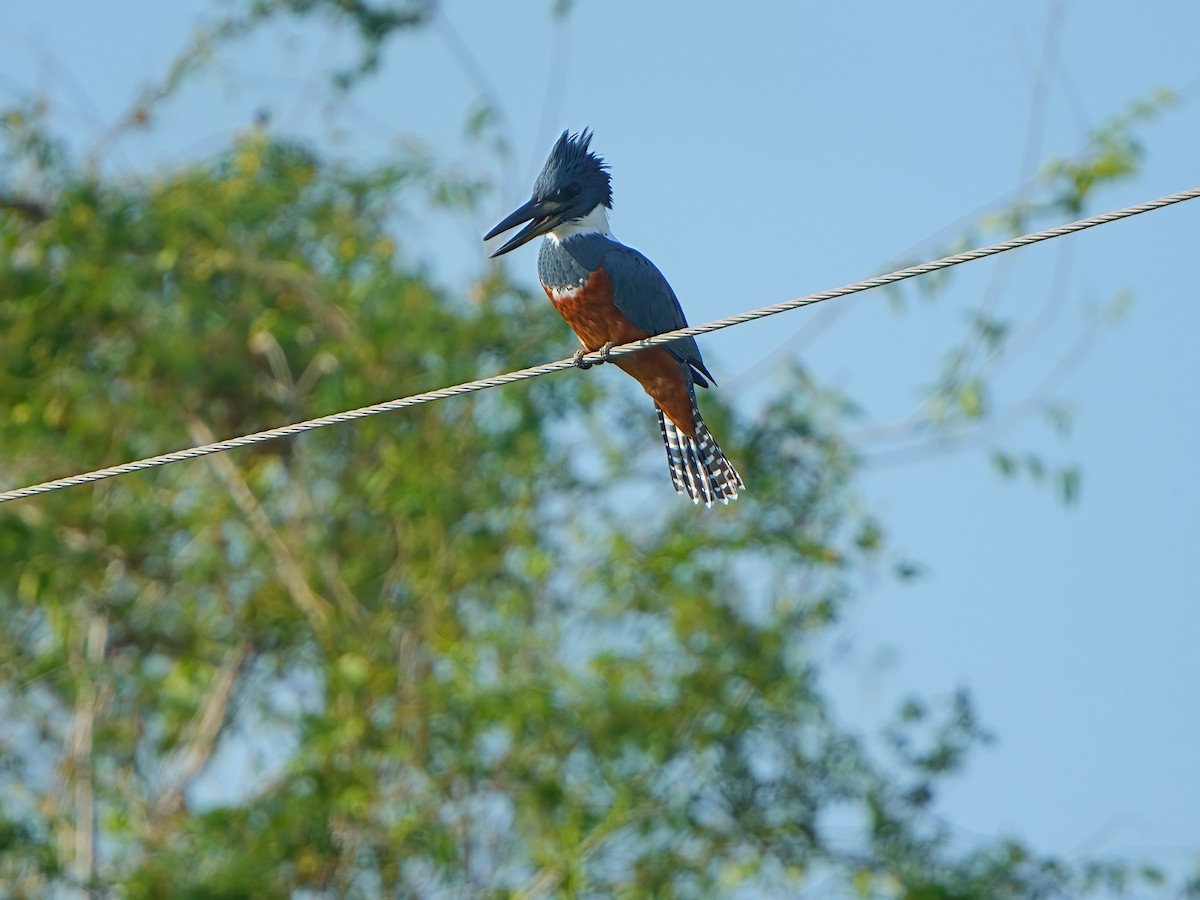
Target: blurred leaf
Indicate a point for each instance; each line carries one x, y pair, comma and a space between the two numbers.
1069, 483
972, 398
1005, 464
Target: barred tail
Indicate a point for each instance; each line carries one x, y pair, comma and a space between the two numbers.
698, 467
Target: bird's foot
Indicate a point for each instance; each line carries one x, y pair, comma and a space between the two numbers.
605, 356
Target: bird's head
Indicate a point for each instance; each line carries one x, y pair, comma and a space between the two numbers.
573, 182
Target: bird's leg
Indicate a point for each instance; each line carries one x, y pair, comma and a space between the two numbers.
606, 352
579, 360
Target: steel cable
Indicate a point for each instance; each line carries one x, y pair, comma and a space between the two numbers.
594, 358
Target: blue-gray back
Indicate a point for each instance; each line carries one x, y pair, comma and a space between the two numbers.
640, 291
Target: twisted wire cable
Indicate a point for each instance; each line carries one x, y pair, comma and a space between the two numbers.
597, 357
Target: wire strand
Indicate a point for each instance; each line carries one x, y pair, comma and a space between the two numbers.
597, 357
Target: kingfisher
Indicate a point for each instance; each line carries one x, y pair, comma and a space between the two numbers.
611, 294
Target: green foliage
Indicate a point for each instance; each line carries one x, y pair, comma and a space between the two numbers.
1113, 153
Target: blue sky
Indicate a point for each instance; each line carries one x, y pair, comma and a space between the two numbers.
767, 151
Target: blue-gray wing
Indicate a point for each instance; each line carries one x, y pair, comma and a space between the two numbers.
645, 298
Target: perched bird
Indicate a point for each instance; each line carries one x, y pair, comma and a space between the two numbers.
611, 294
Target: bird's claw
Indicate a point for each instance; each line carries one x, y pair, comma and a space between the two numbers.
605, 356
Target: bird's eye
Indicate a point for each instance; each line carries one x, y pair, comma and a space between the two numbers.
572, 189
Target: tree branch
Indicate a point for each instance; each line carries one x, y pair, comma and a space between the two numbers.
312, 604
202, 734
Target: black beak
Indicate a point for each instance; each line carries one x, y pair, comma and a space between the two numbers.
540, 221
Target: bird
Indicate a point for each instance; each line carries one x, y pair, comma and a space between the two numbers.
611, 294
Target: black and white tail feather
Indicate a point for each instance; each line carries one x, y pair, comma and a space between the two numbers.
699, 469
